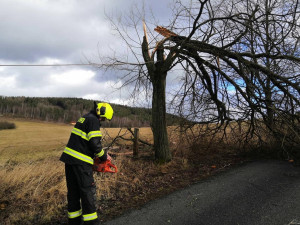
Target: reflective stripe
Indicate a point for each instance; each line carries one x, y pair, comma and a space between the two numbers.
94, 134
81, 120
100, 153
89, 217
80, 133
72, 215
86, 136
78, 155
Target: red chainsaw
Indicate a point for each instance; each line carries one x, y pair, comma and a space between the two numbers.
104, 167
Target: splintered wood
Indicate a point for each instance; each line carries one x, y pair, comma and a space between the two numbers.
164, 32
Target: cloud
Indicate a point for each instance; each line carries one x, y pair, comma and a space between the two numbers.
73, 78
31, 30
7, 82
60, 32
34, 29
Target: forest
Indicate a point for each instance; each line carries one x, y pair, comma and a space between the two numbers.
67, 110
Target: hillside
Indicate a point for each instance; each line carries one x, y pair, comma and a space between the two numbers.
66, 110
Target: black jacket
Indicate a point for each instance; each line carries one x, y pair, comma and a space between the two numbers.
84, 142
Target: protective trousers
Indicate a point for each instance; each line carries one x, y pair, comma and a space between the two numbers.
81, 186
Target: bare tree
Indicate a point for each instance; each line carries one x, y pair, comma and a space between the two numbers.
243, 65
157, 72
145, 67
240, 60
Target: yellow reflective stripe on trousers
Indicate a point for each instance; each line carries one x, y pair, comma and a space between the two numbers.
75, 214
89, 217
78, 155
80, 133
100, 153
94, 134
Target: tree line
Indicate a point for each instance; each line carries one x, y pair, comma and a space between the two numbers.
67, 110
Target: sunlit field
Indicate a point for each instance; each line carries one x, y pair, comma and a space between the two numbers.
32, 141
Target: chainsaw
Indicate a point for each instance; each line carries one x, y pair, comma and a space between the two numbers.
104, 167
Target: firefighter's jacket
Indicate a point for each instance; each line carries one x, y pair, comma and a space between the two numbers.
85, 142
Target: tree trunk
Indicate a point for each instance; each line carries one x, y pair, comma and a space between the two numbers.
159, 124
158, 74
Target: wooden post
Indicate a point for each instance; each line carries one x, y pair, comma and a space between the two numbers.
136, 142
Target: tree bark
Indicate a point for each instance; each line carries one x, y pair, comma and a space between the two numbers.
159, 125
158, 73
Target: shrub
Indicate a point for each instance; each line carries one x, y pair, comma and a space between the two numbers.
7, 125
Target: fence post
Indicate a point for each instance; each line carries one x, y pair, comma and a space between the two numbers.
136, 142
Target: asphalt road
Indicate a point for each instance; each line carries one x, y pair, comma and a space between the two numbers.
258, 193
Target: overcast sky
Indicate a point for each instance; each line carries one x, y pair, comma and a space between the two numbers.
59, 32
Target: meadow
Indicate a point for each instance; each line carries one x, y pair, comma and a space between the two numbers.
33, 188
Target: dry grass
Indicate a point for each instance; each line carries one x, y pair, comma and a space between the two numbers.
31, 141
33, 188
32, 192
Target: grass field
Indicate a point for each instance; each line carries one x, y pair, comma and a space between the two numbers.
32, 177
32, 141
33, 189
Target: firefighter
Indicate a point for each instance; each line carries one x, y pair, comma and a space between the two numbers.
84, 144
